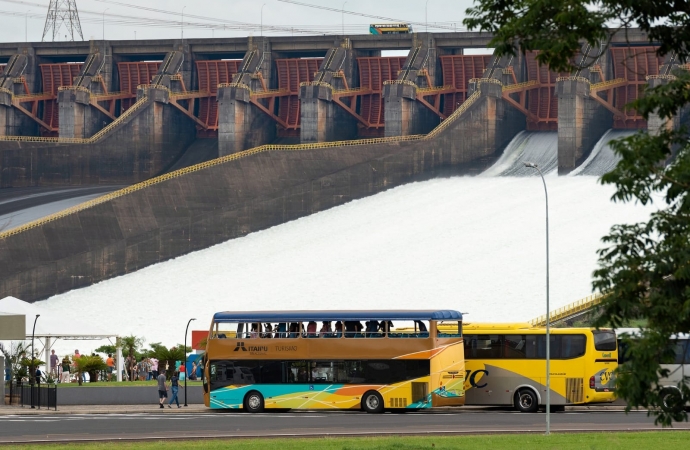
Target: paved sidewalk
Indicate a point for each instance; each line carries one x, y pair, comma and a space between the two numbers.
102, 409
198, 409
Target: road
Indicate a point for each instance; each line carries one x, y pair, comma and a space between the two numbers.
170, 424
21, 205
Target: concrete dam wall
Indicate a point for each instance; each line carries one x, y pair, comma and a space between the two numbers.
196, 207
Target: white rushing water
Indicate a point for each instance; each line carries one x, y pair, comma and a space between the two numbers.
538, 147
476, 244
602, 159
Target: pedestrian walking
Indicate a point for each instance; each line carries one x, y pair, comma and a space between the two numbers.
174, 386
162, 390
154, 368
149, 375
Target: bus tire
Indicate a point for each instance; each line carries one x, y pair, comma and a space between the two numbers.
254, 402
372, 402
526, 401
671, 400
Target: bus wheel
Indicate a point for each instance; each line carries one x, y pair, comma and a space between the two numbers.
671, 400
372, 402
526, 401
254, 402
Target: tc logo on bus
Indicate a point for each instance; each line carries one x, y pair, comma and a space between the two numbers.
473, 378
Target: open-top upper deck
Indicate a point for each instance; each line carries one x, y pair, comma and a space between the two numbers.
245, 334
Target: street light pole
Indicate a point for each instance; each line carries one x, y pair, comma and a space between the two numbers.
548, 318
185, 361
26, 27
104, 22
262, 21
32, 376
426, 16
342, 16
182, 24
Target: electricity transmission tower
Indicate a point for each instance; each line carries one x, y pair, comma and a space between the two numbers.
62, 12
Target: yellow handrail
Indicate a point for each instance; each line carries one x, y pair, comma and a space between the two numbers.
406, 82
660, 77
583, 79
519, 86
196, 168
457, 113
603, 84
7, 91
73, 88
138, 104
568, 310
432, 89
235, 85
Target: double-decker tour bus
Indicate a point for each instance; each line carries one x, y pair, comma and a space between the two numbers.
678, 367
334, 360
390, 28
506, 365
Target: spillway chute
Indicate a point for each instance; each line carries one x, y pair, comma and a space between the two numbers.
602, 159
538, 147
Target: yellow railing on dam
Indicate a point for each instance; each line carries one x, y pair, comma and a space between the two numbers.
59, 140
198, 167
568, 310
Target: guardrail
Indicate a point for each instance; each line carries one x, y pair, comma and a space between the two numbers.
660, 77
568, 310
605, 84
73, 88
405, 82
519, 86
7, 91
573, 78
235, 85
457, 113
432, 89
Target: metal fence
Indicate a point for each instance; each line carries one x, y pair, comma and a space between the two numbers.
32, 395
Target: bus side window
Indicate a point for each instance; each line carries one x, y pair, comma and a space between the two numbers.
515, 346
686, 345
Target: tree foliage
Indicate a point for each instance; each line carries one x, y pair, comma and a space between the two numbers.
645, 267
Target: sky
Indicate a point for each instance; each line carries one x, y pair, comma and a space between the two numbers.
114, 19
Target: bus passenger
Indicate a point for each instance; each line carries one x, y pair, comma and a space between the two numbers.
311, 329
294, 330
255, 331
358, 329
282, 330
268, 333
325, 330
338, 329
372, 328
349, 329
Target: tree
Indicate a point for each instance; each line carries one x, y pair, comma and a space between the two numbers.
645, 268
91, 365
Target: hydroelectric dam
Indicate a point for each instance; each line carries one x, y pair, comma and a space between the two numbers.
203, 140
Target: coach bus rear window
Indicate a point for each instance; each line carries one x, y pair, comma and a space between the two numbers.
604, 341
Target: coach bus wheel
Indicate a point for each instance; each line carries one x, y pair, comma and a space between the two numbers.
671, 400
372, 402
526, 401
254, 402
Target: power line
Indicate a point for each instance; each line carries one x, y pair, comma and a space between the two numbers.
354, 13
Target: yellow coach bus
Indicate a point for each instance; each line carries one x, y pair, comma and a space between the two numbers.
506, 365
334, 360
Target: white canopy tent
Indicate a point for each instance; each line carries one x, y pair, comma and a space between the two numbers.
52, 325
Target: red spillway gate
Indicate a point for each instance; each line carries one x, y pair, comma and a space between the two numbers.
55, 76
542, 101
132, 74
632, 64
211, 74
373, 72
457, 71
292, 72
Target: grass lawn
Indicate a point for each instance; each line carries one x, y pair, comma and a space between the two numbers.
668, 440
120, 384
